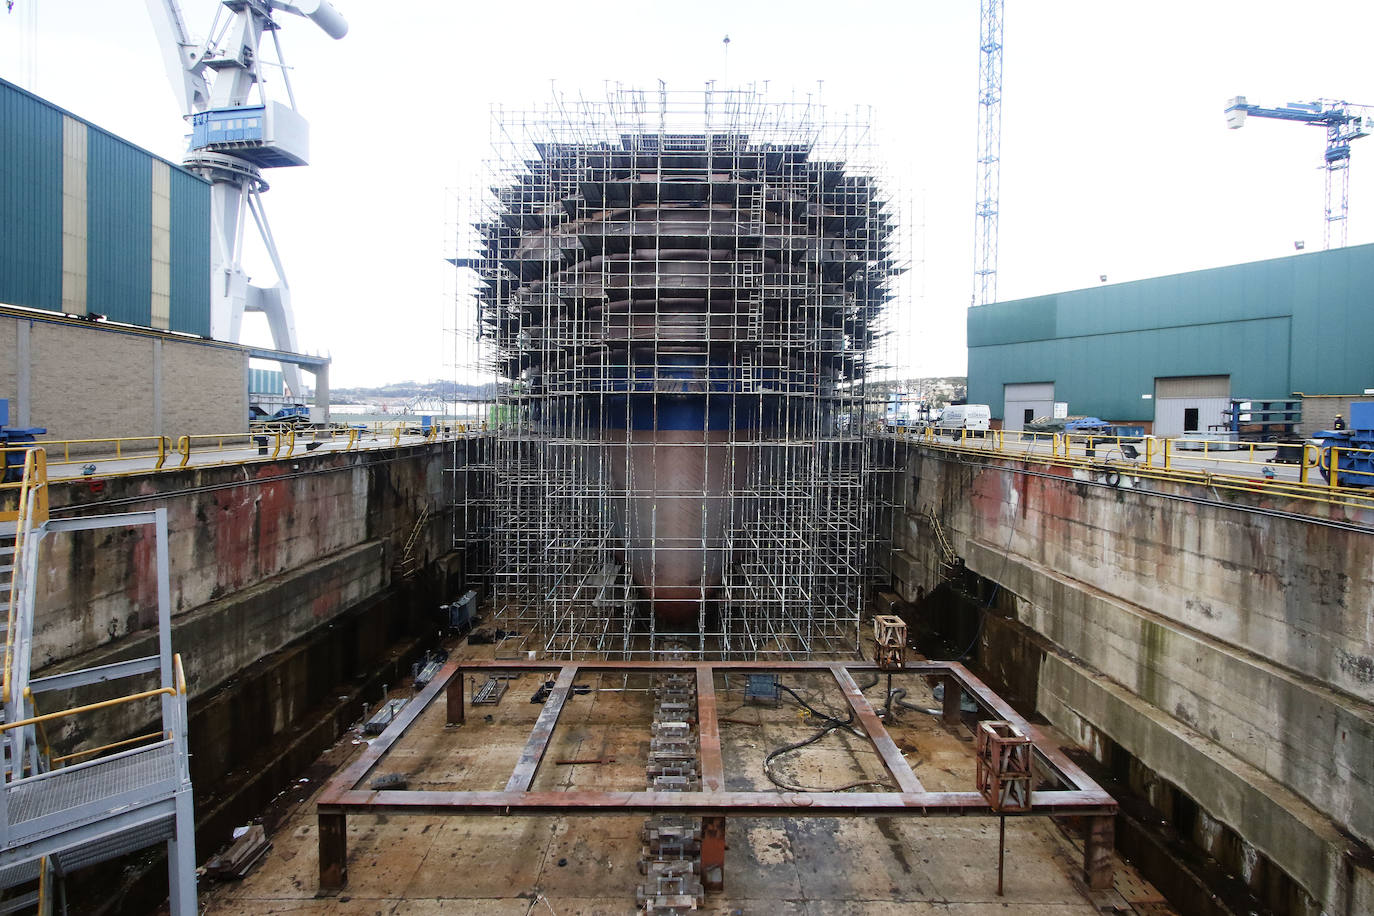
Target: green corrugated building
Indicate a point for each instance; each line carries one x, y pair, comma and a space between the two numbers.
1169, 352
93, 225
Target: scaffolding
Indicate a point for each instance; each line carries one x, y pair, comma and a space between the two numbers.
680, 292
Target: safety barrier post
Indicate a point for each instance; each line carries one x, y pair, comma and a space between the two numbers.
1149, 451
1335, 468
161, 452
1303, 465
352, 439
184, 449
1168, 465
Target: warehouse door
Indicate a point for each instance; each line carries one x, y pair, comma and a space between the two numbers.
1024, 402
1191, 404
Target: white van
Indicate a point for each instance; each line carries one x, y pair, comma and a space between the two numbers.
973, 417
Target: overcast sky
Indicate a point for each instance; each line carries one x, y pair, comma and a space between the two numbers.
1116, 158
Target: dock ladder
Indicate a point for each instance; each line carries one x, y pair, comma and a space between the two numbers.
61, 813
949, 560
408, 563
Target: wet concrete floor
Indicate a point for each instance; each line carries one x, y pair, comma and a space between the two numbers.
566, 866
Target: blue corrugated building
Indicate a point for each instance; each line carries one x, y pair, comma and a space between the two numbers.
1169, 352
93, 225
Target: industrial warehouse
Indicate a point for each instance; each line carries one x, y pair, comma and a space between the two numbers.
1295, 328
669, 604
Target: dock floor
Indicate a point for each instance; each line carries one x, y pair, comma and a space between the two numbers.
585, 865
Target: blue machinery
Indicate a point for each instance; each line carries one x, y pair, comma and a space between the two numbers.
1355, 458
12, 468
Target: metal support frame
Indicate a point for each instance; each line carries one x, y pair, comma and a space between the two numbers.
346, 793
145, 794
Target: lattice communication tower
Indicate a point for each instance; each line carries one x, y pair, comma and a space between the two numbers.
989, 152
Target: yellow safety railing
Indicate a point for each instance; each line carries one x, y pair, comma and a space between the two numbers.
39, 720
145, 454
113, 745
31, 510
89, 707
112, 448
1224, 464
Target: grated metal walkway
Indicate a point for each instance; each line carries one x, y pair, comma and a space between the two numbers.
151, 772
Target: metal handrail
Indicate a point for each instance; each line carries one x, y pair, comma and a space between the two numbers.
160, 736
32, 510
89, 707
1159, 461
165, 454
152, 445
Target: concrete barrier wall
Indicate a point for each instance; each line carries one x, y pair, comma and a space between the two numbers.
260, 555
1247, 629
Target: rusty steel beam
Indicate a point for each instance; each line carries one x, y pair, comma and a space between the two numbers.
877, 735
1045, 750
950, 714
543, 730
758, 667
708, 731
1097, 852
380, 746
705, 804
340, 797
333, 827
713, 853
453, 700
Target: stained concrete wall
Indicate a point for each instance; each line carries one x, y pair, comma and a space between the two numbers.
260, 555
1247, 630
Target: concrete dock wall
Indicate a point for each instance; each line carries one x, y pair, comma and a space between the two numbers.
1228, 647
261, 555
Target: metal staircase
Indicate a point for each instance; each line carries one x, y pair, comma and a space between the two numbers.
61, 813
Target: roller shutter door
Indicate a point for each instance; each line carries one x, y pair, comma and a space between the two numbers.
1033, 399
1191, 404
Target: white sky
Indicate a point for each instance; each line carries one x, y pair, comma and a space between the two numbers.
1115, 155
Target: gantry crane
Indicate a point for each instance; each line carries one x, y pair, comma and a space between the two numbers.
236, 132
1343, 122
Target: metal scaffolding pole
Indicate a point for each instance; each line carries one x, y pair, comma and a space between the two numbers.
681, 291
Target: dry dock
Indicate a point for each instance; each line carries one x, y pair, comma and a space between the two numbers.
585, 865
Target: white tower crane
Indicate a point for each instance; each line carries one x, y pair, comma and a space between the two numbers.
236, 131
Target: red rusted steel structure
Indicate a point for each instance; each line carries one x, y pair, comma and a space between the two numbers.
347, 794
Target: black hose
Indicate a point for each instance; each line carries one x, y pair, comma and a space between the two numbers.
897, 696
831, 724
825, 716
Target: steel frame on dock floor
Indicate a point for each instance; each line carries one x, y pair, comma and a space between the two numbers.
342, 796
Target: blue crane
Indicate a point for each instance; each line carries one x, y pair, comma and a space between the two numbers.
1343, 122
